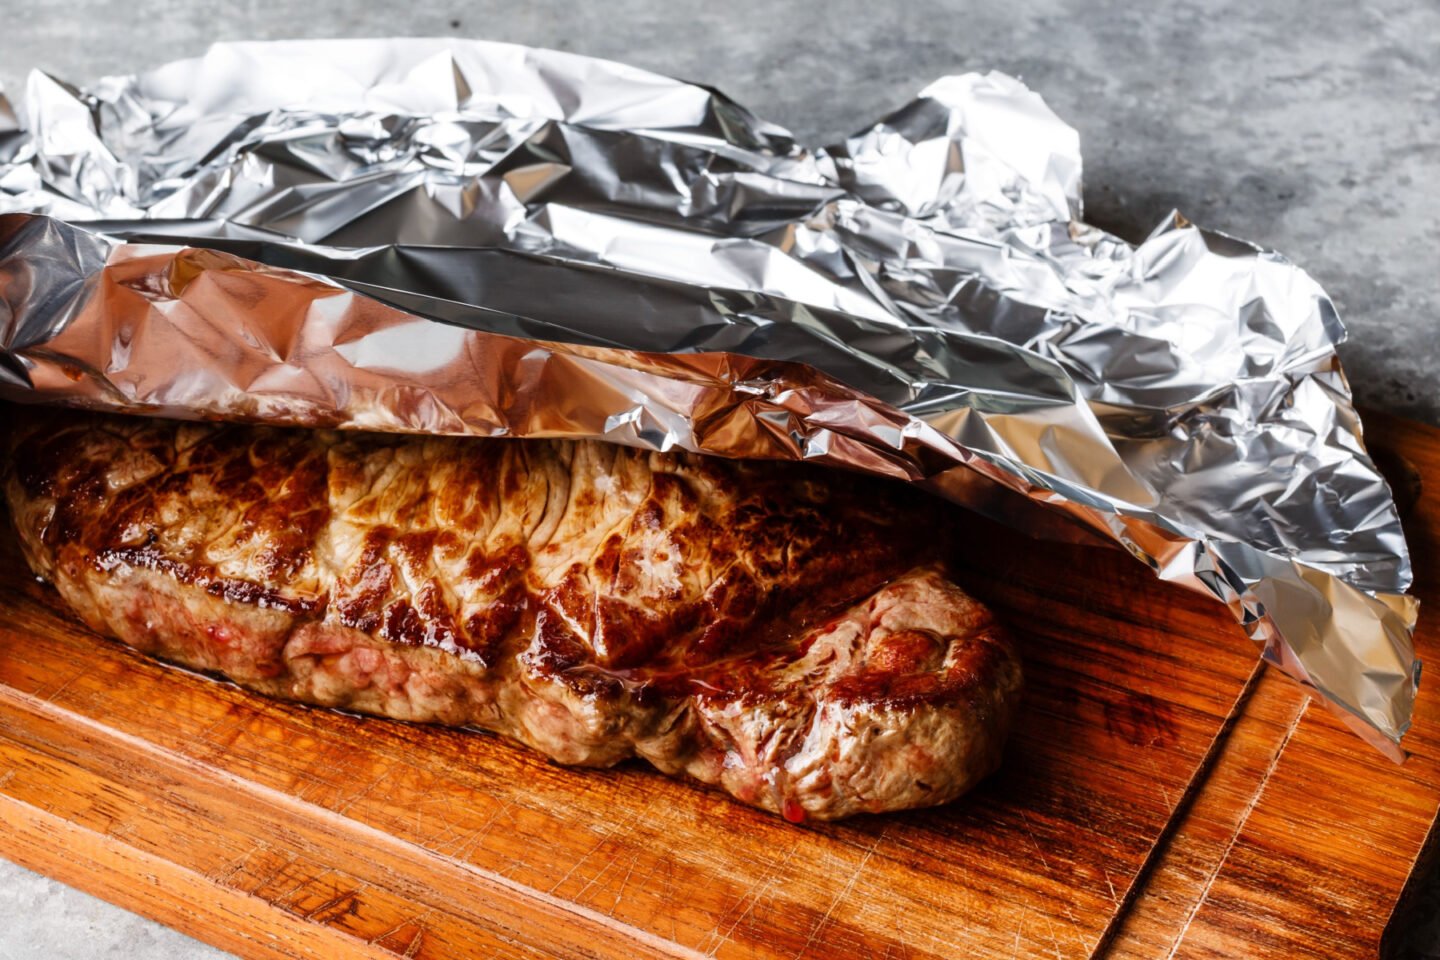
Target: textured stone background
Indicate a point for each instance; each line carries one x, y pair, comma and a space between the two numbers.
1312, 127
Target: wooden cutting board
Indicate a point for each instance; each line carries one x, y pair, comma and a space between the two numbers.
1164, 796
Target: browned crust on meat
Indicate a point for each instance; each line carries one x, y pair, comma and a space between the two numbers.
782, 632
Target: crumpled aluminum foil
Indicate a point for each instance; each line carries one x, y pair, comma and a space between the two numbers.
271, 232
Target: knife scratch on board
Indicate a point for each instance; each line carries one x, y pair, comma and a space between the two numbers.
842, 895
751, 899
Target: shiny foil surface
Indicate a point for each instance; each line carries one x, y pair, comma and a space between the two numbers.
464, 237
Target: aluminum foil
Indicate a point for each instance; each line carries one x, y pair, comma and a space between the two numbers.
478, 238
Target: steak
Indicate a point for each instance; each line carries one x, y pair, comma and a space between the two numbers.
784, 632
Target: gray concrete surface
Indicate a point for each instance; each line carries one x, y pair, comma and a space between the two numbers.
1312, 126
42, 918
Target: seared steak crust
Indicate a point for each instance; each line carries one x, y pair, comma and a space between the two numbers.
778, 631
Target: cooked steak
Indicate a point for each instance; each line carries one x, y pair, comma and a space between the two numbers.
780, 631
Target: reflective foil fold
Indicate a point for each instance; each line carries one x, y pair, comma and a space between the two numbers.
478, 238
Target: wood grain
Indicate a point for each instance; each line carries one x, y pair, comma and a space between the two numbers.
1163, 796
1334, 834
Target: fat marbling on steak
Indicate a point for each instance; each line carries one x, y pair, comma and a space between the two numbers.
778, 630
